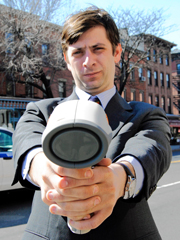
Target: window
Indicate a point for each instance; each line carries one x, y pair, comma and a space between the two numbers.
150, 99
132, 72
141, 96
167, 60
168, 80
154, 55
124, 94
45, 49
162, 79
29, 90
28, 46
163, 102
169, 105
62, 88
133, 95
148, 55
149, 77
9, 38
140, 70
157, 101
9, 118
156, 78
178, 68
10, 86
161, 59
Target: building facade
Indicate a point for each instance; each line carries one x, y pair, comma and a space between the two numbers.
151, 81
175, 55
159, 78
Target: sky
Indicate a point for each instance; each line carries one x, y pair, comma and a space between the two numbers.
172, 10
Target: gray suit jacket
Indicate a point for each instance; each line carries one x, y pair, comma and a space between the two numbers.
140, 130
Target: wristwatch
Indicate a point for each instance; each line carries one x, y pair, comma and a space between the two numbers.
130, 183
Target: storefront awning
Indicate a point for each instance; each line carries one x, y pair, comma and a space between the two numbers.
174, 123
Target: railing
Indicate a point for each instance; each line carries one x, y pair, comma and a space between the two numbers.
178, 107
13, 104
177, 88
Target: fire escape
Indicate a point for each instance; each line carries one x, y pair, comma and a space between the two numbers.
176, 97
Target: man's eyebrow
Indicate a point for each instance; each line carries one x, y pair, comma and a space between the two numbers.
77, 48
98, 44
93, 46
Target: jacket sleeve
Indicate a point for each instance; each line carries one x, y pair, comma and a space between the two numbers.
145, 136
150, 144
28, 133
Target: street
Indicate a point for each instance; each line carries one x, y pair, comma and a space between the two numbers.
14, 212
164, 204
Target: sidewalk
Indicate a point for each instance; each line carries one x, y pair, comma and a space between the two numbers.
175, 147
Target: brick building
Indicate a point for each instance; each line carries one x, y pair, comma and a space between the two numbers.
150, 82
159, 79
175, 55
174, 119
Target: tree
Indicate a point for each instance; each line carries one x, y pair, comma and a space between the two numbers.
30, 40
30, 47
140, 31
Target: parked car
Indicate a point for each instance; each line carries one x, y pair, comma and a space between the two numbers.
6, 161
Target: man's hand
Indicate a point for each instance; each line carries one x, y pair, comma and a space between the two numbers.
51, 177
86, 194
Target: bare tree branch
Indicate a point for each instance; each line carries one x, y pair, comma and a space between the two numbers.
29, 43
140, 31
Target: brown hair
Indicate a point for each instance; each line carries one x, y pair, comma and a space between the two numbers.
82, 21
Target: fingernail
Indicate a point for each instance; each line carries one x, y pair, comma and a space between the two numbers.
50, 196
96, 201
53, 210
88, 174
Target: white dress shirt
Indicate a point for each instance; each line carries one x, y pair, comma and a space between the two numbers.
104, 97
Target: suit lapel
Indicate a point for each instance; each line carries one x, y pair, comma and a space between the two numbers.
118, 112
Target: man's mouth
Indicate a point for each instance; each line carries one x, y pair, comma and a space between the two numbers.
91, 74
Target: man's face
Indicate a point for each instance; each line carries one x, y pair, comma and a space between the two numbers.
91, 61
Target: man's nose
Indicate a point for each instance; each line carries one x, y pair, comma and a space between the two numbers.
89, 59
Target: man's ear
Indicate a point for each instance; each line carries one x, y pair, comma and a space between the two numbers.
117, 53
65, 58
67, 62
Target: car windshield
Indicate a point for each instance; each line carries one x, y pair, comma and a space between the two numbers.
5, 141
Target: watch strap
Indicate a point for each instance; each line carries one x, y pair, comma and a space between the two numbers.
130, 180
127, 170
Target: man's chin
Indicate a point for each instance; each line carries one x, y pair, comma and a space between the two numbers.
91, 89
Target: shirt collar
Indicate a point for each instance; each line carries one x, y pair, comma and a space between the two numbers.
104, 97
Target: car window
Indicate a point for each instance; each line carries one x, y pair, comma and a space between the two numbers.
5, 141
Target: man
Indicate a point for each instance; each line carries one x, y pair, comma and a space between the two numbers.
97, 199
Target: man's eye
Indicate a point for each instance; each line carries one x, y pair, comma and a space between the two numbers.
77, 53
99, 49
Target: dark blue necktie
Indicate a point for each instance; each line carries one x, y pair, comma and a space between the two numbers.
95, 99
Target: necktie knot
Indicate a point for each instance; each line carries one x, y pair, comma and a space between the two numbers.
95, 99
